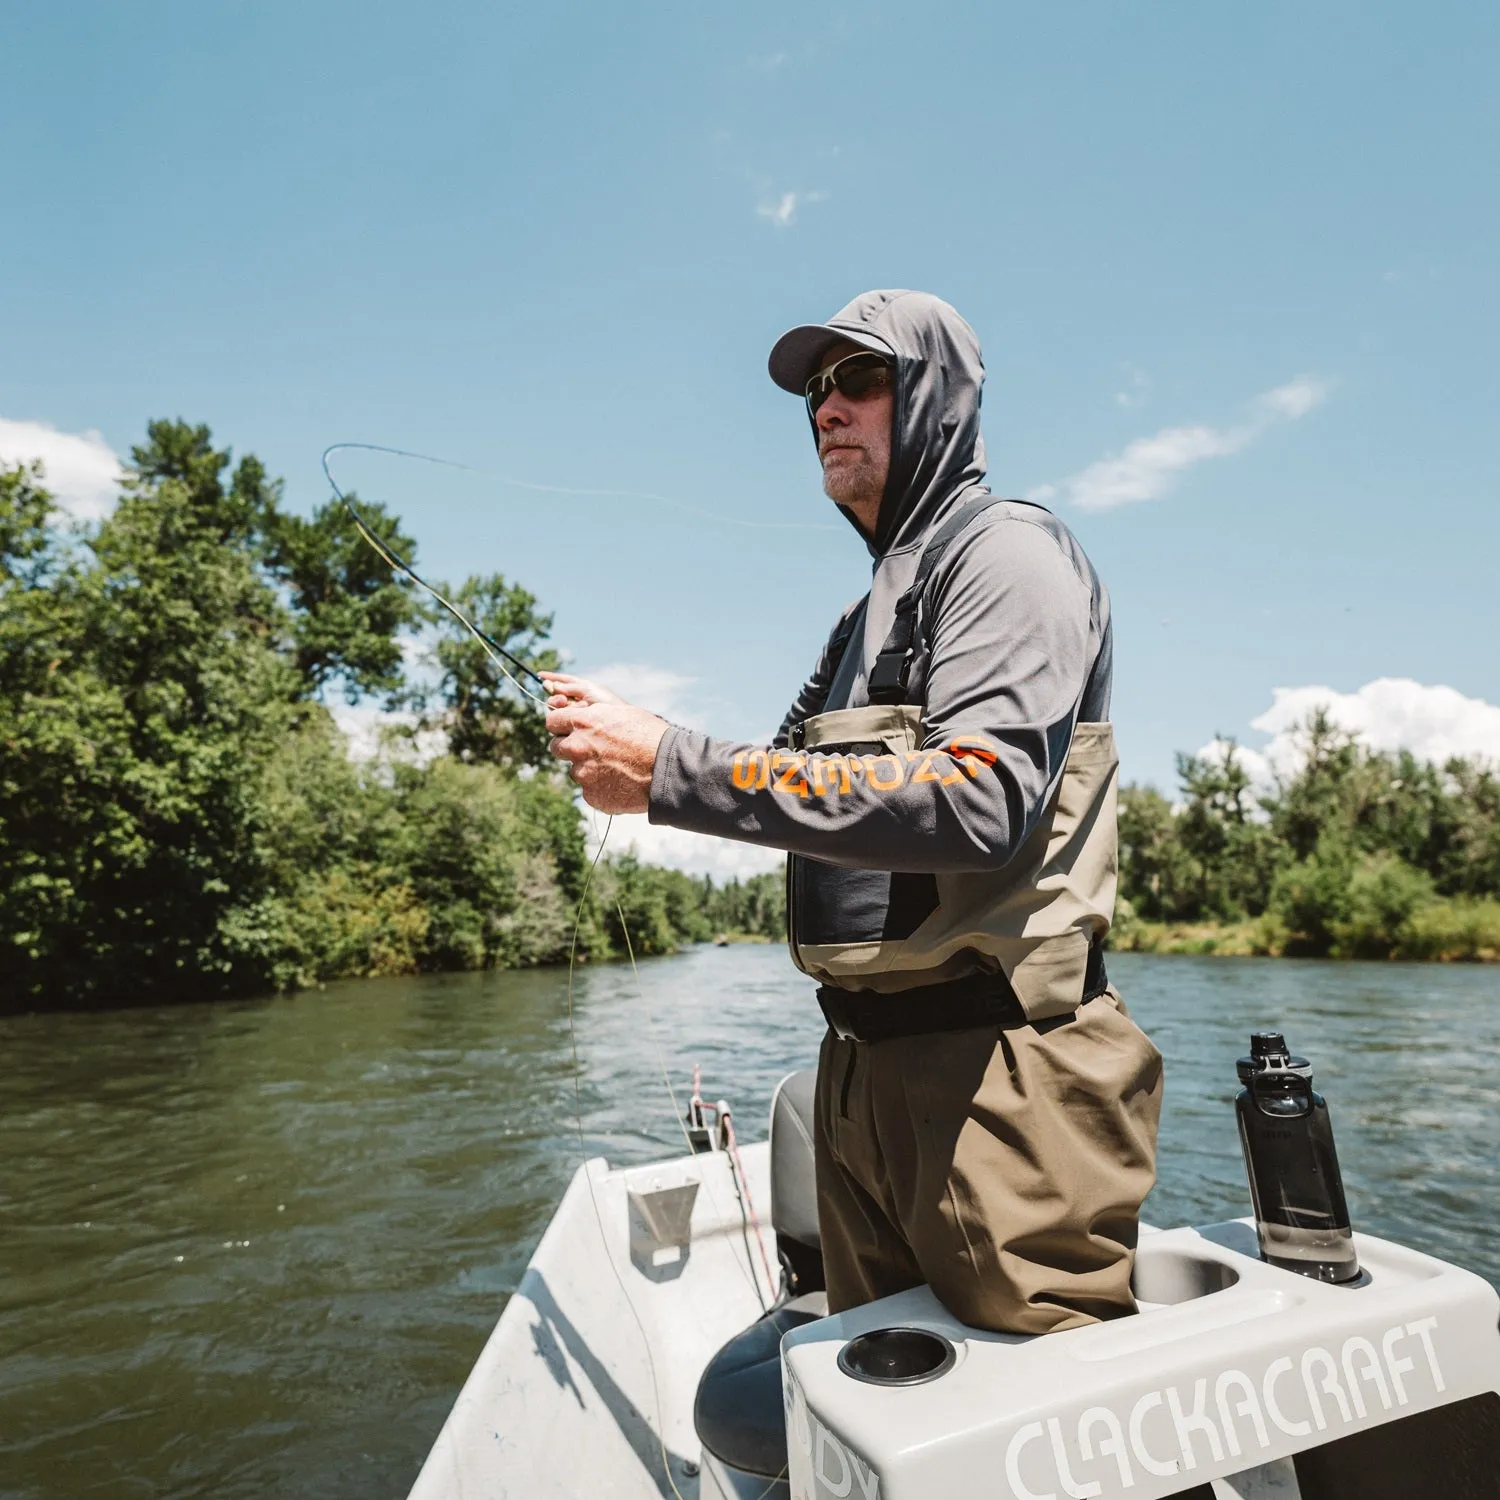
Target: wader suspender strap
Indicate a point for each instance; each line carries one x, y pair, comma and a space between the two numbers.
892, 669
838, 644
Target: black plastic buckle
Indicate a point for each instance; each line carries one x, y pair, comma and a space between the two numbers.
888, 677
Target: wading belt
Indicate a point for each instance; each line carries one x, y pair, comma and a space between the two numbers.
956, 1005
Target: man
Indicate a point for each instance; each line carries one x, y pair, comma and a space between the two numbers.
945, 785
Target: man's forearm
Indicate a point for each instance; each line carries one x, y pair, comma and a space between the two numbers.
952, 807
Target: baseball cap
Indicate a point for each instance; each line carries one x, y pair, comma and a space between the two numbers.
799, 351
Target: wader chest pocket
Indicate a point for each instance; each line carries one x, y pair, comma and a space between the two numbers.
831, 905
834, 904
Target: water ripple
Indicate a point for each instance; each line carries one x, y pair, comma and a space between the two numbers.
254, 1249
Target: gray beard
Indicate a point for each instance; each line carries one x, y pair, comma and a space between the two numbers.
853, 484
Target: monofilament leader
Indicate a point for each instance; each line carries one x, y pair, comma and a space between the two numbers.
945, 786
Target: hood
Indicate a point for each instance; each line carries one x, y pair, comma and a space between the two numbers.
936, 447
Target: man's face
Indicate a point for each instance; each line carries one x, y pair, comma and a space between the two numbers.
854, 444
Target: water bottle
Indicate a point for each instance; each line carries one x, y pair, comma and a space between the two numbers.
1301, 1217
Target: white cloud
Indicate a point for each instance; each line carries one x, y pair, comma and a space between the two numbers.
80, 468
664, 692
1147, 467
367, 729
782, 211
1392, 713
677, 849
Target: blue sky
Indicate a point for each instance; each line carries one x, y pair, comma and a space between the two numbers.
1233, 269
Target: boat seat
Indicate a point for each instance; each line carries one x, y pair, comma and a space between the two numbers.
794, 1189
738, 1411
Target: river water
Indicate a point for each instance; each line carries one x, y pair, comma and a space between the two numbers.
252, 1250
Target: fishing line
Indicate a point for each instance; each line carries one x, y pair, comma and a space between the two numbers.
661, 1426
644, 496
490, 645
499, 656
681, 1115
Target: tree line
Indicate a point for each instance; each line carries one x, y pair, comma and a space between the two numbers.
1355, 853
179, 816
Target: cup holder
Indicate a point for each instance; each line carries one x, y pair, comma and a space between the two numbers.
1170, 1276
897, 1356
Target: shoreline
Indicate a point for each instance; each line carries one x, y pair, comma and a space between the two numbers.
1449, 933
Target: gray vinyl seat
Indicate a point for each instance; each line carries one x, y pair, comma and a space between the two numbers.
738, 1410
794, 1185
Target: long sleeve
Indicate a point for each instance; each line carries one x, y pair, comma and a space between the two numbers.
1017, 625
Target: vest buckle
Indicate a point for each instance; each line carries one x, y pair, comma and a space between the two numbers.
889, 677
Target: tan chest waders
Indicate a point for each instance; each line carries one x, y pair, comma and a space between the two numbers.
897, 953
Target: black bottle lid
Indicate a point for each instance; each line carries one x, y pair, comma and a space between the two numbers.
1269, 1054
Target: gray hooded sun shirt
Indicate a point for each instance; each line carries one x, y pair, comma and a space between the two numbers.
1013, 649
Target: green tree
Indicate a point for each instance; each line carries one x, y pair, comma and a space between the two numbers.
349, 606
178, 812
1322, 796
1232, 856
128, 807
754, 907
1155, 871
488, 717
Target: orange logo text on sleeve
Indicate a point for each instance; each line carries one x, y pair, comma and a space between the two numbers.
799, 773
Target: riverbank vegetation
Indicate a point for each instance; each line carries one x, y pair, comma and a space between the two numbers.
179, 816
1354, 854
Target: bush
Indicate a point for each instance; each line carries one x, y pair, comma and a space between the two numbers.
1382, 895
1309, 899
347, 925
1345, 905
1463, 929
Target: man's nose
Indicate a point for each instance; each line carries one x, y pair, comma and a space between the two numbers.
834, 412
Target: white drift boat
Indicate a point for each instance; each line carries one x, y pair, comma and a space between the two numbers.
637, 1359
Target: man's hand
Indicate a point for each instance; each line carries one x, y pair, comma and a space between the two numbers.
610, 745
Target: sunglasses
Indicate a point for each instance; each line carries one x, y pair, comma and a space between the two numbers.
856, 376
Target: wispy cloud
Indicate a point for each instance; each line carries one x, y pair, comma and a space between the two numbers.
81, 470
1136, 390
1147, 467
1290, 401
782, 211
